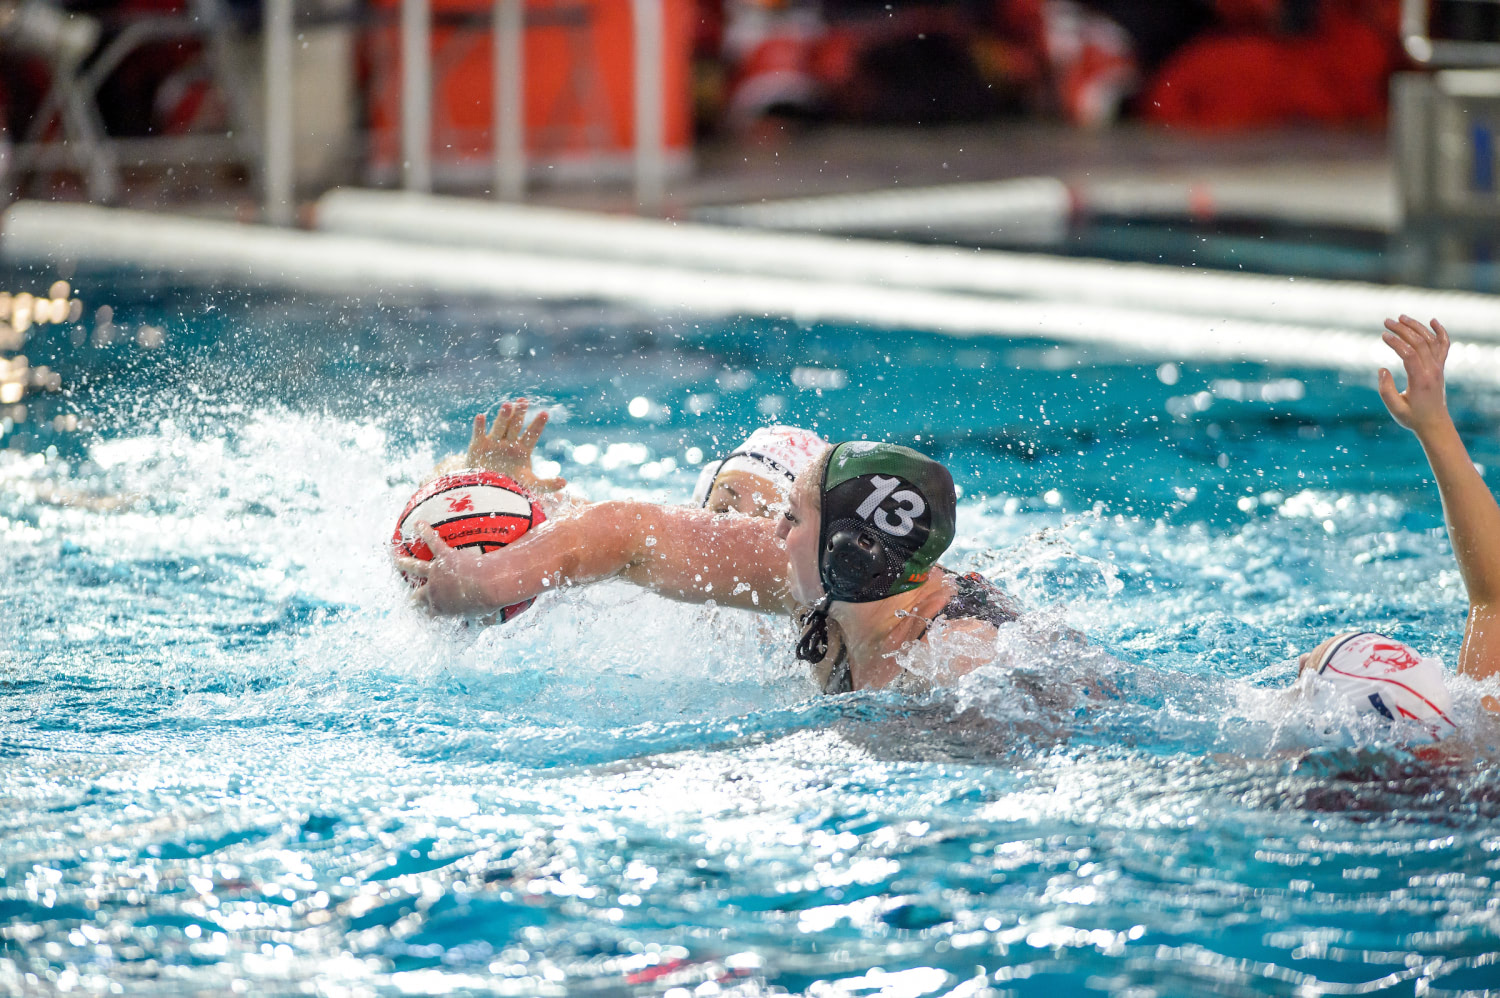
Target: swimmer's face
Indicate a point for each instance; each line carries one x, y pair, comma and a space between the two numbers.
1310, 659
743, 492
799, 529
1304, 685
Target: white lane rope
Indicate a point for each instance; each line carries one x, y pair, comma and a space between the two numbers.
717, 249
359, 266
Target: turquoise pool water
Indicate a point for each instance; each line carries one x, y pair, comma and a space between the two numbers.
235, 761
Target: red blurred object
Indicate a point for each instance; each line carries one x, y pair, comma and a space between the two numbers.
779, 72
1092, 62
1336, 74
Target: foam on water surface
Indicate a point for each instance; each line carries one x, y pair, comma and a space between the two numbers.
235, 760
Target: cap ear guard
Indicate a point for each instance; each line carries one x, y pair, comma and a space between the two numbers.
854, 559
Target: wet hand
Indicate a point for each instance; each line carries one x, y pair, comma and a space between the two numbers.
1423, 353
507, 446
450, 583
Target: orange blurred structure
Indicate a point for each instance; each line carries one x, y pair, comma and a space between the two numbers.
578, 88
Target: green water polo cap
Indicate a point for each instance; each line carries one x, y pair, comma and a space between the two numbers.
887, 515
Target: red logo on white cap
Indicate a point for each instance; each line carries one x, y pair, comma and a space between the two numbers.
1394, 656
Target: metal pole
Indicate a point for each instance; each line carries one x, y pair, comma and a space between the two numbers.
650, 154
1414, 30
279, 179
510, 111
416, 96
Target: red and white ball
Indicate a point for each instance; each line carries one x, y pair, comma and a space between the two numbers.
468, 509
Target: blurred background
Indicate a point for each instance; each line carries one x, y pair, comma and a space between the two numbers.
1359, 119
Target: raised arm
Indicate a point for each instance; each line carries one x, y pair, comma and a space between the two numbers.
682, 553
1468, 506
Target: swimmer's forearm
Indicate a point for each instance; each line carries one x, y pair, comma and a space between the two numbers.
699, 557
594, 544
1469, 508
684, 554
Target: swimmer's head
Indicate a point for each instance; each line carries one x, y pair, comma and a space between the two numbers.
744, 492
1378, 675
885, 515
757, 476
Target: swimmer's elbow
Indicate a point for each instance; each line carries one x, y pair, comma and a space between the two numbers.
615, 538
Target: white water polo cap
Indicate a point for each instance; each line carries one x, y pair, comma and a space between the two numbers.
1380, 675
776, 453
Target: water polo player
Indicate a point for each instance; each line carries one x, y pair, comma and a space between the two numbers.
755, 478
1378, 674
858, 544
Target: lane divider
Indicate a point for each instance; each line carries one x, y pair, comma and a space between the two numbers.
364, 266
719, 249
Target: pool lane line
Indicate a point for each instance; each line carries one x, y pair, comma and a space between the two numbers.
720, 249
1359, 196
359, 266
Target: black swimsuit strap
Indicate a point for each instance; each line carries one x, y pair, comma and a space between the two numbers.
980, 599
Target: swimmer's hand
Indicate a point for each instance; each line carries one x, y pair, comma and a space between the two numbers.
506, 447
452, 580
1423, 406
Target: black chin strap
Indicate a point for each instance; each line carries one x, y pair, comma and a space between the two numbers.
813, 646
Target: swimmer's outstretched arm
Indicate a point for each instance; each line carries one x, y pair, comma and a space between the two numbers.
686, 554
1468, 506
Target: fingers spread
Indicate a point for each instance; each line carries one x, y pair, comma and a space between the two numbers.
1442, 337
1413, 333
517, 418
1404, 350
529, 438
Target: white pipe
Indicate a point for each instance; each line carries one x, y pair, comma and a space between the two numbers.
1028, 204
416, 95
510, 109
1192, 291
1414, 36
324, 264
277, 171
650, 150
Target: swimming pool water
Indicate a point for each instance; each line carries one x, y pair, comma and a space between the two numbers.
235, 760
